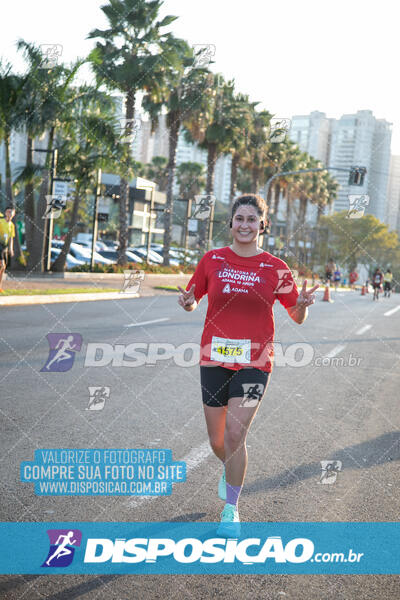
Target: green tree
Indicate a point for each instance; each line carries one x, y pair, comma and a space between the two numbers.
365, 240
134, 55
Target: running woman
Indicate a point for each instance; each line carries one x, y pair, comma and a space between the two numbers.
242, 282
377, 279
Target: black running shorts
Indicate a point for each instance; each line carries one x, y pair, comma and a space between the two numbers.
218, 384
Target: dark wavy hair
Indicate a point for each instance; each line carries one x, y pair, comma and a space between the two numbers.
259, 204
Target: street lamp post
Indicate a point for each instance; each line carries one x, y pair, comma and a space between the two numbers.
95, 217
48, 226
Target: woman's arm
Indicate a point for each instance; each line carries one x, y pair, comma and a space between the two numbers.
299, 312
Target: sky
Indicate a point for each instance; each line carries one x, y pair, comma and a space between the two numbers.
293, 57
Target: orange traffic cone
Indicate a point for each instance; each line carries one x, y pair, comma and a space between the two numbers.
363, 290
327, 294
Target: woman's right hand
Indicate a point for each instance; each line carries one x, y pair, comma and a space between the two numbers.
186, 298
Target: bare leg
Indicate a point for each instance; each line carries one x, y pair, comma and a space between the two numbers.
2, 270
215, 419
238, 422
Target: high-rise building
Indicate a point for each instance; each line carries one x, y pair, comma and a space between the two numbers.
361, 139
311, 133
393, 204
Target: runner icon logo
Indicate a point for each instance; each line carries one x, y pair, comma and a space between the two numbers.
62, 550
252, 394
330, 469
285, 283
62, 351
98, 397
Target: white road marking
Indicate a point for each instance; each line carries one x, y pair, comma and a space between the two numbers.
334, 351
391, 311
146, 322
363, 329
195, 457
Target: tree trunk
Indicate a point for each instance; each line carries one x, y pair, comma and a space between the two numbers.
255, 180
29, 210
15, 262
124, 183
204, 225
277, 193
234, 172
168, 214
59, 263
9, 194
288, 221
42, 225
301, 223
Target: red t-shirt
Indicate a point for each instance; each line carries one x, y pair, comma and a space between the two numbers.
239, 325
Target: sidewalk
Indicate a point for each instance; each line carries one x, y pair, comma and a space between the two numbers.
95, 281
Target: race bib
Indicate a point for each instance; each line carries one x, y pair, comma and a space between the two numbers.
230, 351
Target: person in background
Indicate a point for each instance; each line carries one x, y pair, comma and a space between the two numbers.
387, 283
337, 277
353, 276
330, 267
7, 234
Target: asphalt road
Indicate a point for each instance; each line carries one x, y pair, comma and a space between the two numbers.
311, 413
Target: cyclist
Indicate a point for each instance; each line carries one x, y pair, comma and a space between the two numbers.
242, 282
387, 283
377, 283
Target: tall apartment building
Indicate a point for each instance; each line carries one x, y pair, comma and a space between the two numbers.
312, 134
393, 204
354, 139
361, 139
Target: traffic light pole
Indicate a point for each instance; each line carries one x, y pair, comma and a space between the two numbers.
316, 170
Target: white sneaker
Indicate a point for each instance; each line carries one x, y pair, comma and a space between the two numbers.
230, 522
222, 486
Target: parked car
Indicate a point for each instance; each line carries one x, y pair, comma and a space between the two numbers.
113, 255
154, 257
70, 260
81, 253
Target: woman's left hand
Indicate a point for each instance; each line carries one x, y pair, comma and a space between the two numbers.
306, 297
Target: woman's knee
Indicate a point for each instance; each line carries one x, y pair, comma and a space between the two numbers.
235, 436
217, 444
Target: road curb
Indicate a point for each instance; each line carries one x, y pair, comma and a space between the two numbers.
57, 298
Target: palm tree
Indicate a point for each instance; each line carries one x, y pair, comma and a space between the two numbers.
88, 142
11, 86
157, 171
191, 179
214, 131
186, 97
133, 55
52, 95
239, 141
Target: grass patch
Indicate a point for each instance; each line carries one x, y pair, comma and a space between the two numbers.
169, 288
47, 292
